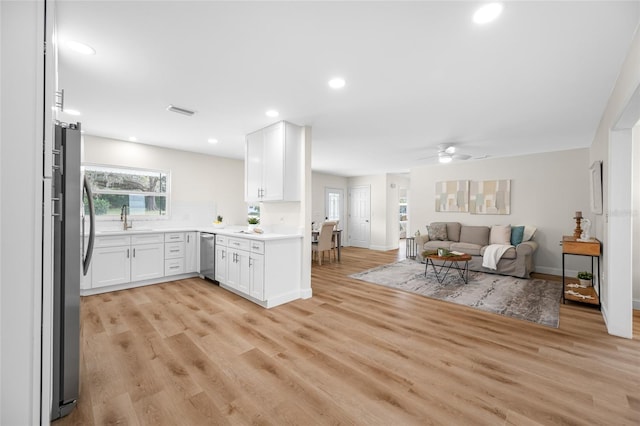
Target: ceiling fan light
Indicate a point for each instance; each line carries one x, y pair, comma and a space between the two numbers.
450, 149
445, 158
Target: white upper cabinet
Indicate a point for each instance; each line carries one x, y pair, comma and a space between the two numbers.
274, 163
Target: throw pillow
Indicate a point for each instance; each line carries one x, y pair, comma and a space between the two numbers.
500, 234
437, 231
517, 232
529, 232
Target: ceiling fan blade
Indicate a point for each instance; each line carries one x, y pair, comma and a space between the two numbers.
461, 156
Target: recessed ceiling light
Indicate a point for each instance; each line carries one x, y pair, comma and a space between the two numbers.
272, 113
487, 13
71, 111
212, 140
81, 48
337, 83
133, 139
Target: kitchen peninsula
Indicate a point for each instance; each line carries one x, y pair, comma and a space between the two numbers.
263, 268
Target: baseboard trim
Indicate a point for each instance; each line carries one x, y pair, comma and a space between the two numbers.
383, 248
636, 304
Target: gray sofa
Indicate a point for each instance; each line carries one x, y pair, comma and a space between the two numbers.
473, 240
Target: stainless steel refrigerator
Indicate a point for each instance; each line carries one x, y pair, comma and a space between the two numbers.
71, 258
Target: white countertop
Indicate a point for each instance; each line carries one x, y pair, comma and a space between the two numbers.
231, 232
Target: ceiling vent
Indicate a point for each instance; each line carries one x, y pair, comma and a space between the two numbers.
179, 110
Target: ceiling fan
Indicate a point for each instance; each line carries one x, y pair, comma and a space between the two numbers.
448, 153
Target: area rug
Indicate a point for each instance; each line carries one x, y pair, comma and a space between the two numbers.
532, 300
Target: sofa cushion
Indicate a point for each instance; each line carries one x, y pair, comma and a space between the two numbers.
437, 231
453, 231
434, 245
509, 254
475, 235
517, 233
468, 248
529, 232
500, 234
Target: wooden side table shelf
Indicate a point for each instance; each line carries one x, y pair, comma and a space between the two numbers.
571, 246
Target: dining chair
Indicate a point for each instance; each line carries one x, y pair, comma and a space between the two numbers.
324, 242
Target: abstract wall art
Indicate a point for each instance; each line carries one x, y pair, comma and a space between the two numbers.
490, 197
452, 196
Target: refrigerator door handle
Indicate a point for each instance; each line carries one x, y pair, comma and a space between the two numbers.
92, 223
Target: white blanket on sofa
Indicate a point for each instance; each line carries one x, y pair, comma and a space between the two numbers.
492, 255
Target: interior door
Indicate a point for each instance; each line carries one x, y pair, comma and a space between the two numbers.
360, 216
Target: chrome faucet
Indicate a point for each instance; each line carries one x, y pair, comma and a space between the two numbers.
124, 212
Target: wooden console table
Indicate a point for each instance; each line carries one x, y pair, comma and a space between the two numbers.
571, 246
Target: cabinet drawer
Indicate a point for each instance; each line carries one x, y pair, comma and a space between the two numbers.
171, 237
239, 244
257, 247
173, 266
221, 240
173, 250
587, 248
113, 241
147, 239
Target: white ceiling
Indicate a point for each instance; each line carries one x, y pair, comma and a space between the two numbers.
418, 74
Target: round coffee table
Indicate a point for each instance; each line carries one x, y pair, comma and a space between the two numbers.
453, 263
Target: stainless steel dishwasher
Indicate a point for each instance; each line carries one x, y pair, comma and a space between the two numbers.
208, 255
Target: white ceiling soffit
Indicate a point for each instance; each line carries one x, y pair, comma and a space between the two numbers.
418, 75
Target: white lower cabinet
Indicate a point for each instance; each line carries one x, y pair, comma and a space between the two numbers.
266, 272
221, 258
238, 270
110, 265
256, 276
174, 252
121, 259
147, 261
191, 257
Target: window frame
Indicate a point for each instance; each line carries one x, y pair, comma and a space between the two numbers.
138, 170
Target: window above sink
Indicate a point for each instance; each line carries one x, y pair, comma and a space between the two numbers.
145, 192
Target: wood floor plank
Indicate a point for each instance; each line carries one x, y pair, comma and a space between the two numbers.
191, 353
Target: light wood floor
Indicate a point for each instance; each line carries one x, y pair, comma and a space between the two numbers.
190, 353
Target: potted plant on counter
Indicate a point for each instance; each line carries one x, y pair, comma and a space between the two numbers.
218, 222
253, 222
586, 278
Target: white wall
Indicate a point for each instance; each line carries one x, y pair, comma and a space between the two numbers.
616, 306
202, 186
546, 191
21, 104
636, 217
320, 181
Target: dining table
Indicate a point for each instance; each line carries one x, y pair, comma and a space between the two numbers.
337, 233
